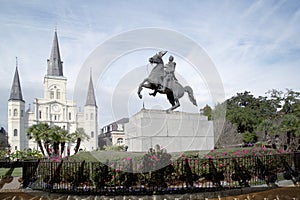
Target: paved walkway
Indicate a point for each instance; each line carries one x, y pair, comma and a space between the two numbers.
13, 185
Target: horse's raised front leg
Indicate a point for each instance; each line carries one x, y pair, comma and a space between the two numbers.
141, 88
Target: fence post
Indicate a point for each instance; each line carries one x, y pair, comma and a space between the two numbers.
297, 160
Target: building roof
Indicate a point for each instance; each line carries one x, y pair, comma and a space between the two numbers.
122, 121
55, 65
16, 92
90, 99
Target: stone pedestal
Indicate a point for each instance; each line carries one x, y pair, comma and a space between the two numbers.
175, 131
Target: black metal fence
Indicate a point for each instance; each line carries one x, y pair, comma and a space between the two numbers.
133, 177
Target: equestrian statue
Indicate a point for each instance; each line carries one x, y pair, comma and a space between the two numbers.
162, 80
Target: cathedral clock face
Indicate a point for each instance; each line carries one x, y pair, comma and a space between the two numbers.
56, 107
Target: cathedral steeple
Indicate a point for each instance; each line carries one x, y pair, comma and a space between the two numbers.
55, 65
90, 99
16, 92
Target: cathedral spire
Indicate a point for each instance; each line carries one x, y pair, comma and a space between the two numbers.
16, 92
55, 65
90, 99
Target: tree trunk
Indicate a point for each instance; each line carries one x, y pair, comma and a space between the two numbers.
56, 148
77, 145
288, 135
46, 145
62, 148
41, 147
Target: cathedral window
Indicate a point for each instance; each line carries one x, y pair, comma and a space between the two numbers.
40, 114
55, 117
92, 134
46, 112
92, 116
15, 132
57, 94
9, 112
16, 147
15, 112
51, 94
22, 113
70, 116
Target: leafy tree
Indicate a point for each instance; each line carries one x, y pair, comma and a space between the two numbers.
269, 127
3, 139
242, 111
247, 112
206, 111
78, 136
291, 102
287, 120
290, 125
249, 137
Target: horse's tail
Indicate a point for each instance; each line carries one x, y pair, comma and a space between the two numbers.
189, 90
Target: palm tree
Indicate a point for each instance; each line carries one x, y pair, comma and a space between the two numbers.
55, 138
64, 137
79, 135
38, 132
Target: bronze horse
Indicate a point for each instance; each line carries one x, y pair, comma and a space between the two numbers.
155, 80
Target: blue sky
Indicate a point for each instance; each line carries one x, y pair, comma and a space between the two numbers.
255, 45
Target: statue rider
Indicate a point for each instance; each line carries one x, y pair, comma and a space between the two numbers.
169, 76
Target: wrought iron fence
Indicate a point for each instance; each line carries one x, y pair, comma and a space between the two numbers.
179, 176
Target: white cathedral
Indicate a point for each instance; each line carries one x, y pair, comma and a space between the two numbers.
53, 109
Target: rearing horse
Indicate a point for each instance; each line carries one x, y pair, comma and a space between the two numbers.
155, 81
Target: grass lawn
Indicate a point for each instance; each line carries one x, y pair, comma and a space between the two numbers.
16, 172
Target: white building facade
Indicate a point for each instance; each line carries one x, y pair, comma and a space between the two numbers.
54, 108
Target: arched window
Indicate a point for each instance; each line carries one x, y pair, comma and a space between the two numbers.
92, 134
92, 116
51, 94
15, 112
57, 94
15, 132
120, 141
